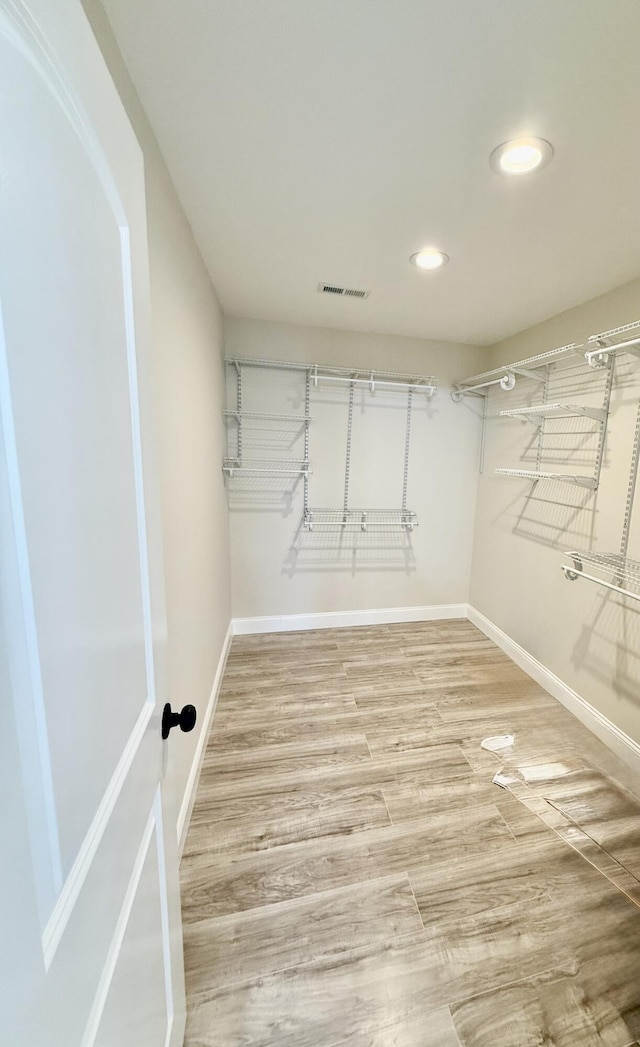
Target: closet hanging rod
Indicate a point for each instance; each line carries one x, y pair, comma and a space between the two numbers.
372, 381
522, 368
624, 569
392, 379
278, 365
598, 357
506, 382
573, 575
613, 563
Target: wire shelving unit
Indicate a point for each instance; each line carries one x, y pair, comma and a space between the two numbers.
239, 465
343, 518
539, 369
536, 369
617, 571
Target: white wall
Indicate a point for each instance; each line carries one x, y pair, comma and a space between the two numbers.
589, 639
279, 569
188, 376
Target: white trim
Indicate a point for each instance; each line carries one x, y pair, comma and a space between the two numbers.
188, 800
79, 870
343, 619
615, 739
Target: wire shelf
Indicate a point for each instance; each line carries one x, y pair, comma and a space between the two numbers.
624, 573
558, 411
532, 474
505, 375
363, 376
374, 379
263, 415
360, 519
264, 467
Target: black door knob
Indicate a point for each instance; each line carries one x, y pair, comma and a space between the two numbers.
185, 720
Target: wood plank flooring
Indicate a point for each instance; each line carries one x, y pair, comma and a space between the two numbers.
352, 876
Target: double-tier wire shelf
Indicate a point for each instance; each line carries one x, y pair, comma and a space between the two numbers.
615, 571
539, 370
239, 465
342, 518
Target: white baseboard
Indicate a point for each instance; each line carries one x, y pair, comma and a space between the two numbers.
287, 623
615, 739
186, 807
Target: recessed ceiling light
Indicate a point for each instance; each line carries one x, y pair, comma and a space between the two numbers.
429, 259
521, 155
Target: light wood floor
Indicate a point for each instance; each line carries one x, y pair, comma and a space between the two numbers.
353, 876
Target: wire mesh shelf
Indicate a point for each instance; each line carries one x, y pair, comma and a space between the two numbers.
264, 467
360, 519
240, 416
622, 575
556, 411
374, 379
361, 376
567, 478
505, 376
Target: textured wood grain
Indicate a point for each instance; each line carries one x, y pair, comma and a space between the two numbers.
352, 876
257, 820
240, 882
275, 937
375, 1001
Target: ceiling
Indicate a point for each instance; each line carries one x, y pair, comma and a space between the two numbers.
328, 141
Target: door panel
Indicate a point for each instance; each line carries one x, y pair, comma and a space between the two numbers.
71, 411
82, 598
137, 957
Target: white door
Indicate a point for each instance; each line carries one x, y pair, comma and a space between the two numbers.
90, 940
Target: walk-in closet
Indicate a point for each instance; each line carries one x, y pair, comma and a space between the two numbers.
320, 523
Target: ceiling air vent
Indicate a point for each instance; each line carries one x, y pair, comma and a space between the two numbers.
346, 292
